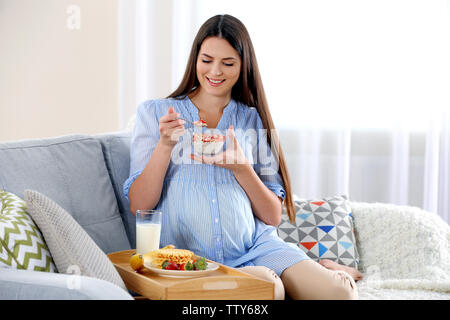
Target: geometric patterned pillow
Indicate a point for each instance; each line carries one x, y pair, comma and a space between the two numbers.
22, 245
323, 229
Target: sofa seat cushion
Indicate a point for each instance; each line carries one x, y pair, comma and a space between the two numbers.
71, 171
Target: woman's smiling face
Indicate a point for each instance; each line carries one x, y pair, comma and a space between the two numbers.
218, 67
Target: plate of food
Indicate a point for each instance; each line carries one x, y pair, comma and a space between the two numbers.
178, 263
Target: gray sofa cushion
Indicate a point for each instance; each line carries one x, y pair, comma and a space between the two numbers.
70, 170
116, 148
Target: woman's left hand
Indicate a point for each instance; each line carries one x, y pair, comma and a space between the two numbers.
232, 158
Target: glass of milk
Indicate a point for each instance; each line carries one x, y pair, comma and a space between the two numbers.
148, 230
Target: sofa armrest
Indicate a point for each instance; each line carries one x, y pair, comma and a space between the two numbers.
35, 285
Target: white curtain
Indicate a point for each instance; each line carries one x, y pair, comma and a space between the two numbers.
437, 166
358, 89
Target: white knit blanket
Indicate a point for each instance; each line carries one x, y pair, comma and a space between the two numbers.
404, 252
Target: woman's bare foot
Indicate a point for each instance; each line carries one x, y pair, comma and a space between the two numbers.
329, 264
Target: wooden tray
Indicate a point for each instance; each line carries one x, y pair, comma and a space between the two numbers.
225, 283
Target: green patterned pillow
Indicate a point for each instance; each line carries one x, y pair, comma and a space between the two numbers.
22, 245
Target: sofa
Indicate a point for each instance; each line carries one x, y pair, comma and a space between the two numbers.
403, 251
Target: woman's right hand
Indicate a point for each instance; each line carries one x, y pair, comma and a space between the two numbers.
170, 129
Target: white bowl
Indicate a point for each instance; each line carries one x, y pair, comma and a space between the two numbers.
205, 144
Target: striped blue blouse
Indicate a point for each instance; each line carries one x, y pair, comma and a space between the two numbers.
204, 207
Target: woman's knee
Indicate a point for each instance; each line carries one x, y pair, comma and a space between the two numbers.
311, 281
344, 288
269, 275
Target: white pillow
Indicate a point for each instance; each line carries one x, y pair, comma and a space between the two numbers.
402, 247
69, 244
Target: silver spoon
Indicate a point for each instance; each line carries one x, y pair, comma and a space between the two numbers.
194, 123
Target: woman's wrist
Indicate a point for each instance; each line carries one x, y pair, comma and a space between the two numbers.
166, 148
242, 169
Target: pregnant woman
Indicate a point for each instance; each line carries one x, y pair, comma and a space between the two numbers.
225, 206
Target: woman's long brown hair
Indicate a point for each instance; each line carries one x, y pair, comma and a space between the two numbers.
248, 89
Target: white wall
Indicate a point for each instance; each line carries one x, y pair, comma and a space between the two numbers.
55, 80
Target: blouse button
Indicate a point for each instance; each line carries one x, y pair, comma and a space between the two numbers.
214, 200
216, 220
